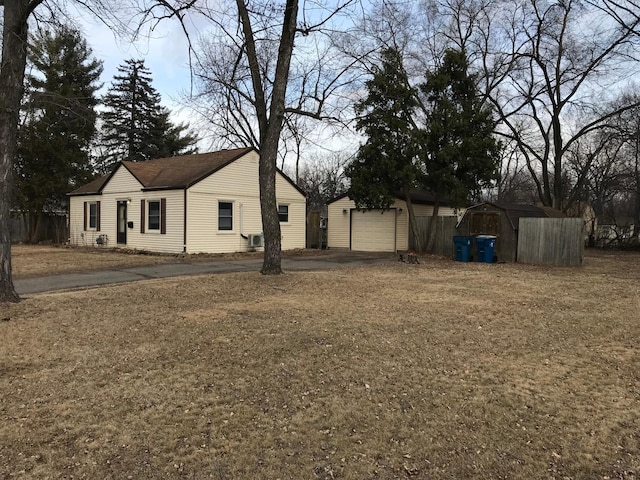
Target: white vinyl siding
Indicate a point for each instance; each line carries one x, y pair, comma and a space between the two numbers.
238, 183
339, 223
77, 234
340, 229
170, 242
124, 186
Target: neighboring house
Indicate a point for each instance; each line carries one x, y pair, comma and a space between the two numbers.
612, 232
503, 221
202, 203
377, 230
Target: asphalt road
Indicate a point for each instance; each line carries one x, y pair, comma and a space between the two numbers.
68, 281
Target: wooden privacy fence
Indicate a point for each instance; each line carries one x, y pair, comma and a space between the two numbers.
445, 231
551, 241
52, 228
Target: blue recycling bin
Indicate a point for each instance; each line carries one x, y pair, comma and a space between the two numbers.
463, 248
486, 248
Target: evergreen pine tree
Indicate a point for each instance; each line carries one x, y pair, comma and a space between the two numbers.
135, 126
385, 164
461, 154
59, 123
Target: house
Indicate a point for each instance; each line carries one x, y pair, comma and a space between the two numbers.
503, 221
377, 230
202, 203
614, 232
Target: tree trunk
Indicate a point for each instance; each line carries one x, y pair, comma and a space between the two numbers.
636, 177
272, 261
414, 225
270, 124
36, 222
433, 228
12, 67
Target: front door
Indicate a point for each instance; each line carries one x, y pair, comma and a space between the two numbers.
122, 222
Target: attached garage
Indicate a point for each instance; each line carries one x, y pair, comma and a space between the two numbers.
373, 230
376, 230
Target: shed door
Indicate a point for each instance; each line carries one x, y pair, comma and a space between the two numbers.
373, 231
485, 223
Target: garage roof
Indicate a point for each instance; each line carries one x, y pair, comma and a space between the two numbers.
420, 197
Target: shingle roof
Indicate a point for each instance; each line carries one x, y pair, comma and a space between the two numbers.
92, 187
169, 173
421, 197
182, 171
516, 211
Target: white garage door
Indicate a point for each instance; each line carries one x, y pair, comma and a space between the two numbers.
373, 231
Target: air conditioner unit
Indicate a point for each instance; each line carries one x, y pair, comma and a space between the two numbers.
256, 240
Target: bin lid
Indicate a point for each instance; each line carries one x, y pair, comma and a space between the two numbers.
486, 237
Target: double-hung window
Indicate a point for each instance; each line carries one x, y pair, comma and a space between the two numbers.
92, 216
283, 213
153, 222
153, 216
225, 216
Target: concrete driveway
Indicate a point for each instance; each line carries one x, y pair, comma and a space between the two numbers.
26, 286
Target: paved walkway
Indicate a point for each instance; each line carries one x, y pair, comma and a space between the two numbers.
68, 281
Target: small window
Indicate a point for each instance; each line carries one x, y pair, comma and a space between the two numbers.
93, 215
283, 213
153, 222
225, 216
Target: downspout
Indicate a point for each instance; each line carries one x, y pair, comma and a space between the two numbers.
241, 229
184, 235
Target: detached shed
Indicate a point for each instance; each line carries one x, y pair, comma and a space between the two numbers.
503, 221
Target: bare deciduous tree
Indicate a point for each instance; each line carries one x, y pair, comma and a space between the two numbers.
549, 86
16, 15
252, 85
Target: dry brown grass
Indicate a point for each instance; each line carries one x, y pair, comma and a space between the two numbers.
41, 260
440, 370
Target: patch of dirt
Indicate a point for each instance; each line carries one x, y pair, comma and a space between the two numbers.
440, 370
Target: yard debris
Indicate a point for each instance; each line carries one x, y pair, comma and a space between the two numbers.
411, 470
408, 257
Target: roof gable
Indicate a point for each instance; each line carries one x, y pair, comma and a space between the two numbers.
515, 211
169, 173
182, 171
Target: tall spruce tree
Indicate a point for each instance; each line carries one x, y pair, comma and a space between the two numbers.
385, 164
460, 153
59, 123
135, 126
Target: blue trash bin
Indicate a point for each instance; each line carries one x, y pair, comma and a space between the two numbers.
486, 248
463, 248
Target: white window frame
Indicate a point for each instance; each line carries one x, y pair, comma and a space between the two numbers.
149, 229
226, 230
288, 213
92, 205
